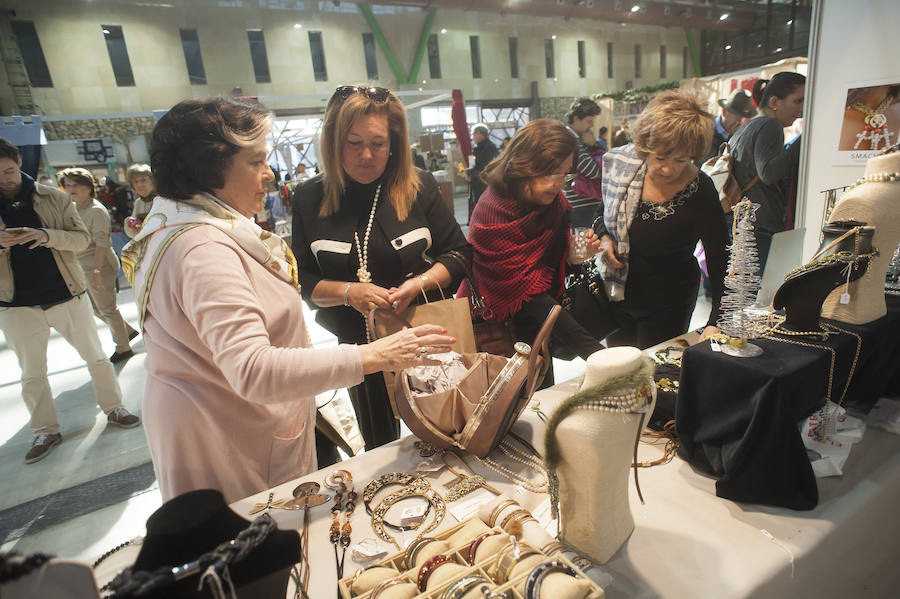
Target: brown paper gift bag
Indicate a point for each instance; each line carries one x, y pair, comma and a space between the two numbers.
453, 314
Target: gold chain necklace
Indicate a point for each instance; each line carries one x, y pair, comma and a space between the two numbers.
875, 130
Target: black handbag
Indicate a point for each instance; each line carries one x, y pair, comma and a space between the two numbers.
586, 300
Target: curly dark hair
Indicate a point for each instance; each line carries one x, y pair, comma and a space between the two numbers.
581, 108
194, 142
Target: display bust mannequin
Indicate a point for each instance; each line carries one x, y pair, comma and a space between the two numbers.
878, 204
595, 437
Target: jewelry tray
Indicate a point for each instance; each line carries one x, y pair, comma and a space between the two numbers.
461, 554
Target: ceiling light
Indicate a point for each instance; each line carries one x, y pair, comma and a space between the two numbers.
424, 81
635, 8
106, 31
724, 16
298, 25
778, 49
790, 22
728, 46
443, 31
553, 37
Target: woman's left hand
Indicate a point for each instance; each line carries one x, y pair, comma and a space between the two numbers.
594, 246
401, 297
709, 330
406, 348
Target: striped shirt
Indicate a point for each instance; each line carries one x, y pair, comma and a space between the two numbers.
586, 166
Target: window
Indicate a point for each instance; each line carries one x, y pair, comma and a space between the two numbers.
118, 55
258, 55
32, 53
684, 63
637, 61
581, 67
549, 59
434, 57
609, 60
190, 43
317, 50
662, 62
475, 47
514, 57
369, 51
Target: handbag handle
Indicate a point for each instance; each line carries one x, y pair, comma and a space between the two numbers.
541, 347
479, 308
390, 314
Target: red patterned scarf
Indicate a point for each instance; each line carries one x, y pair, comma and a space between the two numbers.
509, 246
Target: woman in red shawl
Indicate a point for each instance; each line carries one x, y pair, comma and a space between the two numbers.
519, 233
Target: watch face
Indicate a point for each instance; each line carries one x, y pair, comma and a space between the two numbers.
522, 348
307, 488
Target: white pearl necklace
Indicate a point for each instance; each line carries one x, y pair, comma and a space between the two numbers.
877, 178
516, 455
362, 252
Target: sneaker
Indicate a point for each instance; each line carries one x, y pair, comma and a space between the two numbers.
121, 356
133, 334
122, 417
41, 446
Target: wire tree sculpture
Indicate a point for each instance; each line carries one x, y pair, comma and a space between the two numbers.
742, 283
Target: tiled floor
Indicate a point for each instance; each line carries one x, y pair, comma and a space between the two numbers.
97, 489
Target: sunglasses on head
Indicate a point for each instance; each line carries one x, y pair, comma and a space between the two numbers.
379, 95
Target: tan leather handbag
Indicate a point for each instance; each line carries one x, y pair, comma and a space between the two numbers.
479, 411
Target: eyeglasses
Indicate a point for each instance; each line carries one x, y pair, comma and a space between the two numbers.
379, 95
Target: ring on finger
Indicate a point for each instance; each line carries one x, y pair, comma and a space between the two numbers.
423, 351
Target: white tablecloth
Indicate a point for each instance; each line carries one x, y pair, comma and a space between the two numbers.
687, 542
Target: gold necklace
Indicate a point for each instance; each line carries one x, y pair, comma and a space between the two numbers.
875, 130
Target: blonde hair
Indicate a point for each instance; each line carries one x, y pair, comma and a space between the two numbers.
82, 176
136, 170
401, 182
674, 121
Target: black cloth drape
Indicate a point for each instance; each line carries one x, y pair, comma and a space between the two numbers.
738, 418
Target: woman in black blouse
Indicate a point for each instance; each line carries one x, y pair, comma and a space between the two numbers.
656, 205
371, 230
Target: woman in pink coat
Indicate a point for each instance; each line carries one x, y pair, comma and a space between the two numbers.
229, 401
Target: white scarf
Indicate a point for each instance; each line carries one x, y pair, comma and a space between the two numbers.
170, 218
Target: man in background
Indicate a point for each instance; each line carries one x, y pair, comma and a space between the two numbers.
735, 109
484, 151
42, 286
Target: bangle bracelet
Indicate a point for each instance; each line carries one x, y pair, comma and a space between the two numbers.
552, 547
395, 478
516, 515
511, 555
498, 509
347, 294
423, 281
409, 557
427, 492
429, 567
458, 589
537, 576
476, 543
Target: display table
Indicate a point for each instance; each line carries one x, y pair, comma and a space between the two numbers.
737, 417
687, 542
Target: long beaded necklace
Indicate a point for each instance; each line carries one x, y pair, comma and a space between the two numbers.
529, 460
341, 482
875, 130
362, 251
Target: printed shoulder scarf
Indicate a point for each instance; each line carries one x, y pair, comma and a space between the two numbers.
169, 218
622, 184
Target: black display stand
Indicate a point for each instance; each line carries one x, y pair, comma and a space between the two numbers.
738, 418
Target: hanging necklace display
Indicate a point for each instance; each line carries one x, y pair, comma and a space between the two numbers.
875, 130
306, 496
341, 482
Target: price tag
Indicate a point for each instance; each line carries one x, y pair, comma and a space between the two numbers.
469, 505
714, 346
520, 490
367, 550
845, 298
413, 514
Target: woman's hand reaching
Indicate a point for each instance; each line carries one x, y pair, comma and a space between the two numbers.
608, 253
406, 348
362, 296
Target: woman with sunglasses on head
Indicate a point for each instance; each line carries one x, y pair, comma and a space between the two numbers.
371, 230
231, 384
656, 205
520, 232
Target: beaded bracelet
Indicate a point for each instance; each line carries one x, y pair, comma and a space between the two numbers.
458, 589
428, 567
473, 546
498, 509
537, 576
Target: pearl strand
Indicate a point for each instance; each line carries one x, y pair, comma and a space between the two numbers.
532, 462
877, 178
362, 252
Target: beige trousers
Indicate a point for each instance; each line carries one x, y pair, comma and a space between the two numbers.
27, 331
106, 307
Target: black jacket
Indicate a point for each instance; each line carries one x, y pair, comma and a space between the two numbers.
325, 247
484, 152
